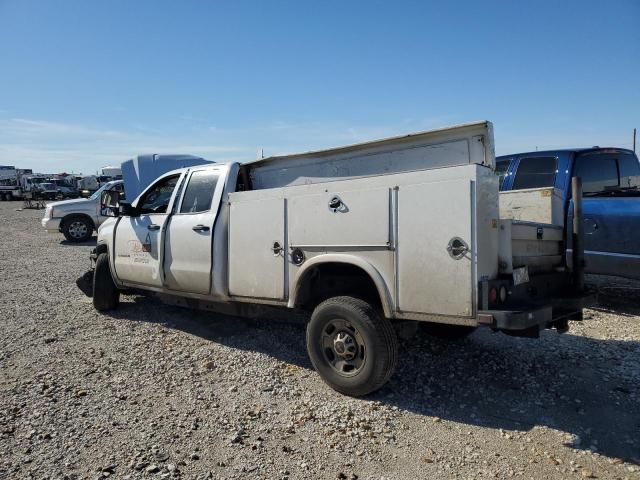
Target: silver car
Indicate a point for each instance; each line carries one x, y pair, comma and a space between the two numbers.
78, 218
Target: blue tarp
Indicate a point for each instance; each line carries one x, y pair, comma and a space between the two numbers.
140, 172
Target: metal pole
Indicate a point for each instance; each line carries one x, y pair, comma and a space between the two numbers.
634, 140
577, 234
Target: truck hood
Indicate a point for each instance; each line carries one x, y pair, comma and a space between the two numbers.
62, 205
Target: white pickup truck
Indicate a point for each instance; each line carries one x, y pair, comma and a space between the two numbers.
362, 236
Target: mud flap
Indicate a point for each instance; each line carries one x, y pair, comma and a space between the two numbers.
85, 283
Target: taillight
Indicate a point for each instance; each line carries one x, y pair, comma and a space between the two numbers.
493, 295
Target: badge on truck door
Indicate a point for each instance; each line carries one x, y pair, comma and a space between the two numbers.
520, 275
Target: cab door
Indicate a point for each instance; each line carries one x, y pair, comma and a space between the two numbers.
189, 239
139, 238
611, 211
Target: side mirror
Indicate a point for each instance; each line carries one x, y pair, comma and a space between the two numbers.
127, 210
109, 203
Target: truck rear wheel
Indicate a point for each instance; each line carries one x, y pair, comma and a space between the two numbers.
352, 346
106, 295
77, 229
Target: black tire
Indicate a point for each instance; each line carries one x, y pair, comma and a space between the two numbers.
375, 353
106, 295
447, 332
77, 229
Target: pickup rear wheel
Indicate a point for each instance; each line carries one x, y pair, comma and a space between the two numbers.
106, 295
352, 346
77, 229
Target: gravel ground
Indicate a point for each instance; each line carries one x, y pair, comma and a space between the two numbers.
153, 391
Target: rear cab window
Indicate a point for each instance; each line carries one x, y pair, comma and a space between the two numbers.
535, 172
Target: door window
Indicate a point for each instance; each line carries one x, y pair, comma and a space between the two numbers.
536, 172
157, 199
598, 172
199, 193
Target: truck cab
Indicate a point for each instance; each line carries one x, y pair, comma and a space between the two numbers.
611, 200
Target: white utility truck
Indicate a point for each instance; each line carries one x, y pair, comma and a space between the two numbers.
405, 228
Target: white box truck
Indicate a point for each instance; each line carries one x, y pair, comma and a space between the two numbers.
362, 236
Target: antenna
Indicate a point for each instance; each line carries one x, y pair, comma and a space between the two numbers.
634, 140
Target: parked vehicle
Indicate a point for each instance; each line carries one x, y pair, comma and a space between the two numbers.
611, 205
113, 172
8, 181
361, 236
87, 185
14, 182
78, 218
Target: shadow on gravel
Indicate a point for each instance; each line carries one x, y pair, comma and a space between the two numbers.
618, 301
89, 243
577, 385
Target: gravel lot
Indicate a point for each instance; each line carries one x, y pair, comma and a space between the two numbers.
153, 391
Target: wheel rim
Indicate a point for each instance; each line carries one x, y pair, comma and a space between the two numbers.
343, 347
77, 229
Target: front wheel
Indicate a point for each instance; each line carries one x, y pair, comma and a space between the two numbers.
106, 295
352, 346
77, 229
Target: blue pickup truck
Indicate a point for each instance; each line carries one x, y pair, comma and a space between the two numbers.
611, 200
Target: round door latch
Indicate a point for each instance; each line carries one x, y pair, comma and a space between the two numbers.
297, 256
276, 249
335, 203
457, 248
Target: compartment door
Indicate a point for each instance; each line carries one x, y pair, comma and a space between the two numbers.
338, 219
257, 249
430, 279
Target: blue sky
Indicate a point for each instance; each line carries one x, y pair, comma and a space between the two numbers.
85, 84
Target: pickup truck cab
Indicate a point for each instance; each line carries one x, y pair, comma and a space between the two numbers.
78, 218
611, 200
359, 237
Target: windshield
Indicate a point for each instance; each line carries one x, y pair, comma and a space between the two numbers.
47, 186
98, 192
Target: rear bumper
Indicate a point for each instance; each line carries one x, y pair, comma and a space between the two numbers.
554, 313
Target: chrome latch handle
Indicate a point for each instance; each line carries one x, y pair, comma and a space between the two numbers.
277, 249
457, 248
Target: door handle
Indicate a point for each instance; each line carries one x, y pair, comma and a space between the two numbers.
276, 249
153, 226
457, 248
200, 228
